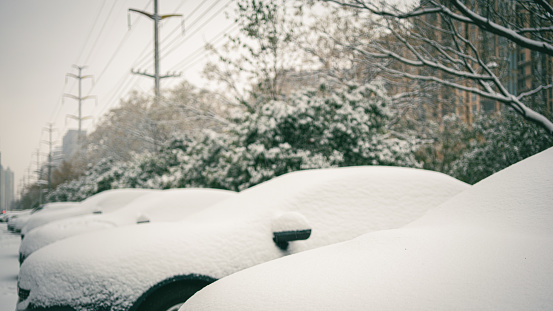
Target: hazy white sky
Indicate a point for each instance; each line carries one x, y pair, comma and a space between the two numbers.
41, 40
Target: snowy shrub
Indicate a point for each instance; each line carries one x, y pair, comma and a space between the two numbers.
444, 143
501, 142
312, 129
197, 163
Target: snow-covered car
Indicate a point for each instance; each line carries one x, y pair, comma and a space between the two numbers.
104, 201
489, 248
166, 205
21, 219
4, 216
158, 266
17, 220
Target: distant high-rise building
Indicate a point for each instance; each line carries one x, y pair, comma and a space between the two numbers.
70, 142
6, 187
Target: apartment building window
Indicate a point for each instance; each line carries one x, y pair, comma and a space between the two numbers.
522, 56
488, 106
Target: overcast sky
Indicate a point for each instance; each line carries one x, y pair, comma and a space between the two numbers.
40, 41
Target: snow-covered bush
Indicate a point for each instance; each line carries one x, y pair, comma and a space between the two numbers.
311, 129
501, 141
443, 143
197, 163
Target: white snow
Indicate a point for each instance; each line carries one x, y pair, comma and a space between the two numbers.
9, 243
19, 220
157, 206
23, 217
488, 248
104, 201
115, 266
290, 221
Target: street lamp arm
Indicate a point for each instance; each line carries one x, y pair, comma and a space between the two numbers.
143, 13
170, 15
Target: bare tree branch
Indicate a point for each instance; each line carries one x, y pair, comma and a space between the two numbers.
492, 27
440, 48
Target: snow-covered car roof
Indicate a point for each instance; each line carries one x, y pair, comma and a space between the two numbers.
489, 248
166, 205
104, 201
114, 268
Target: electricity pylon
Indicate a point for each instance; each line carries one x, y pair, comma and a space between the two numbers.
79, 98
156, 18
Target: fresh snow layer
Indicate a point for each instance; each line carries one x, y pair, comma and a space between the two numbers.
291, 221
104, 201
158, 206
46, 208
9, 243
489, 248
114, 267
18, 221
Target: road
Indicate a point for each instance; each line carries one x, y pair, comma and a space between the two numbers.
9, 267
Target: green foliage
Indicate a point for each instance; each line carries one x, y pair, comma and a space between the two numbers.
312, 129
501, 142
444, 143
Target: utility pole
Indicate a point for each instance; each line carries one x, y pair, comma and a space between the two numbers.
79, 98
38, 176
156, 18
50, 164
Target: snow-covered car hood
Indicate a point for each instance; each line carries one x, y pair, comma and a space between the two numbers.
489, 248
114, 267
167, 205
104, 201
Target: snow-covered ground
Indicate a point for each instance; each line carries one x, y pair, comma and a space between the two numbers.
9, 267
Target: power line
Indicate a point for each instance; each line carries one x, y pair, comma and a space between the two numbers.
100, 33
167, 52
145, 56
91, 30
198, 52
114, 54
192, 24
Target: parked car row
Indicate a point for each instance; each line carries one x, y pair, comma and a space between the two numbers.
157, 266
18, 219
488, 248
340, 238
104, 212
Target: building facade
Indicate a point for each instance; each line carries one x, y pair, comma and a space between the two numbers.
7, 190
71, 142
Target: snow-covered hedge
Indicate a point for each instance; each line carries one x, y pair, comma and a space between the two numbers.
501, 141
311, 129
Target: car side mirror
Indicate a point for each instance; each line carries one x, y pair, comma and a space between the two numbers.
142, 219
288, 227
